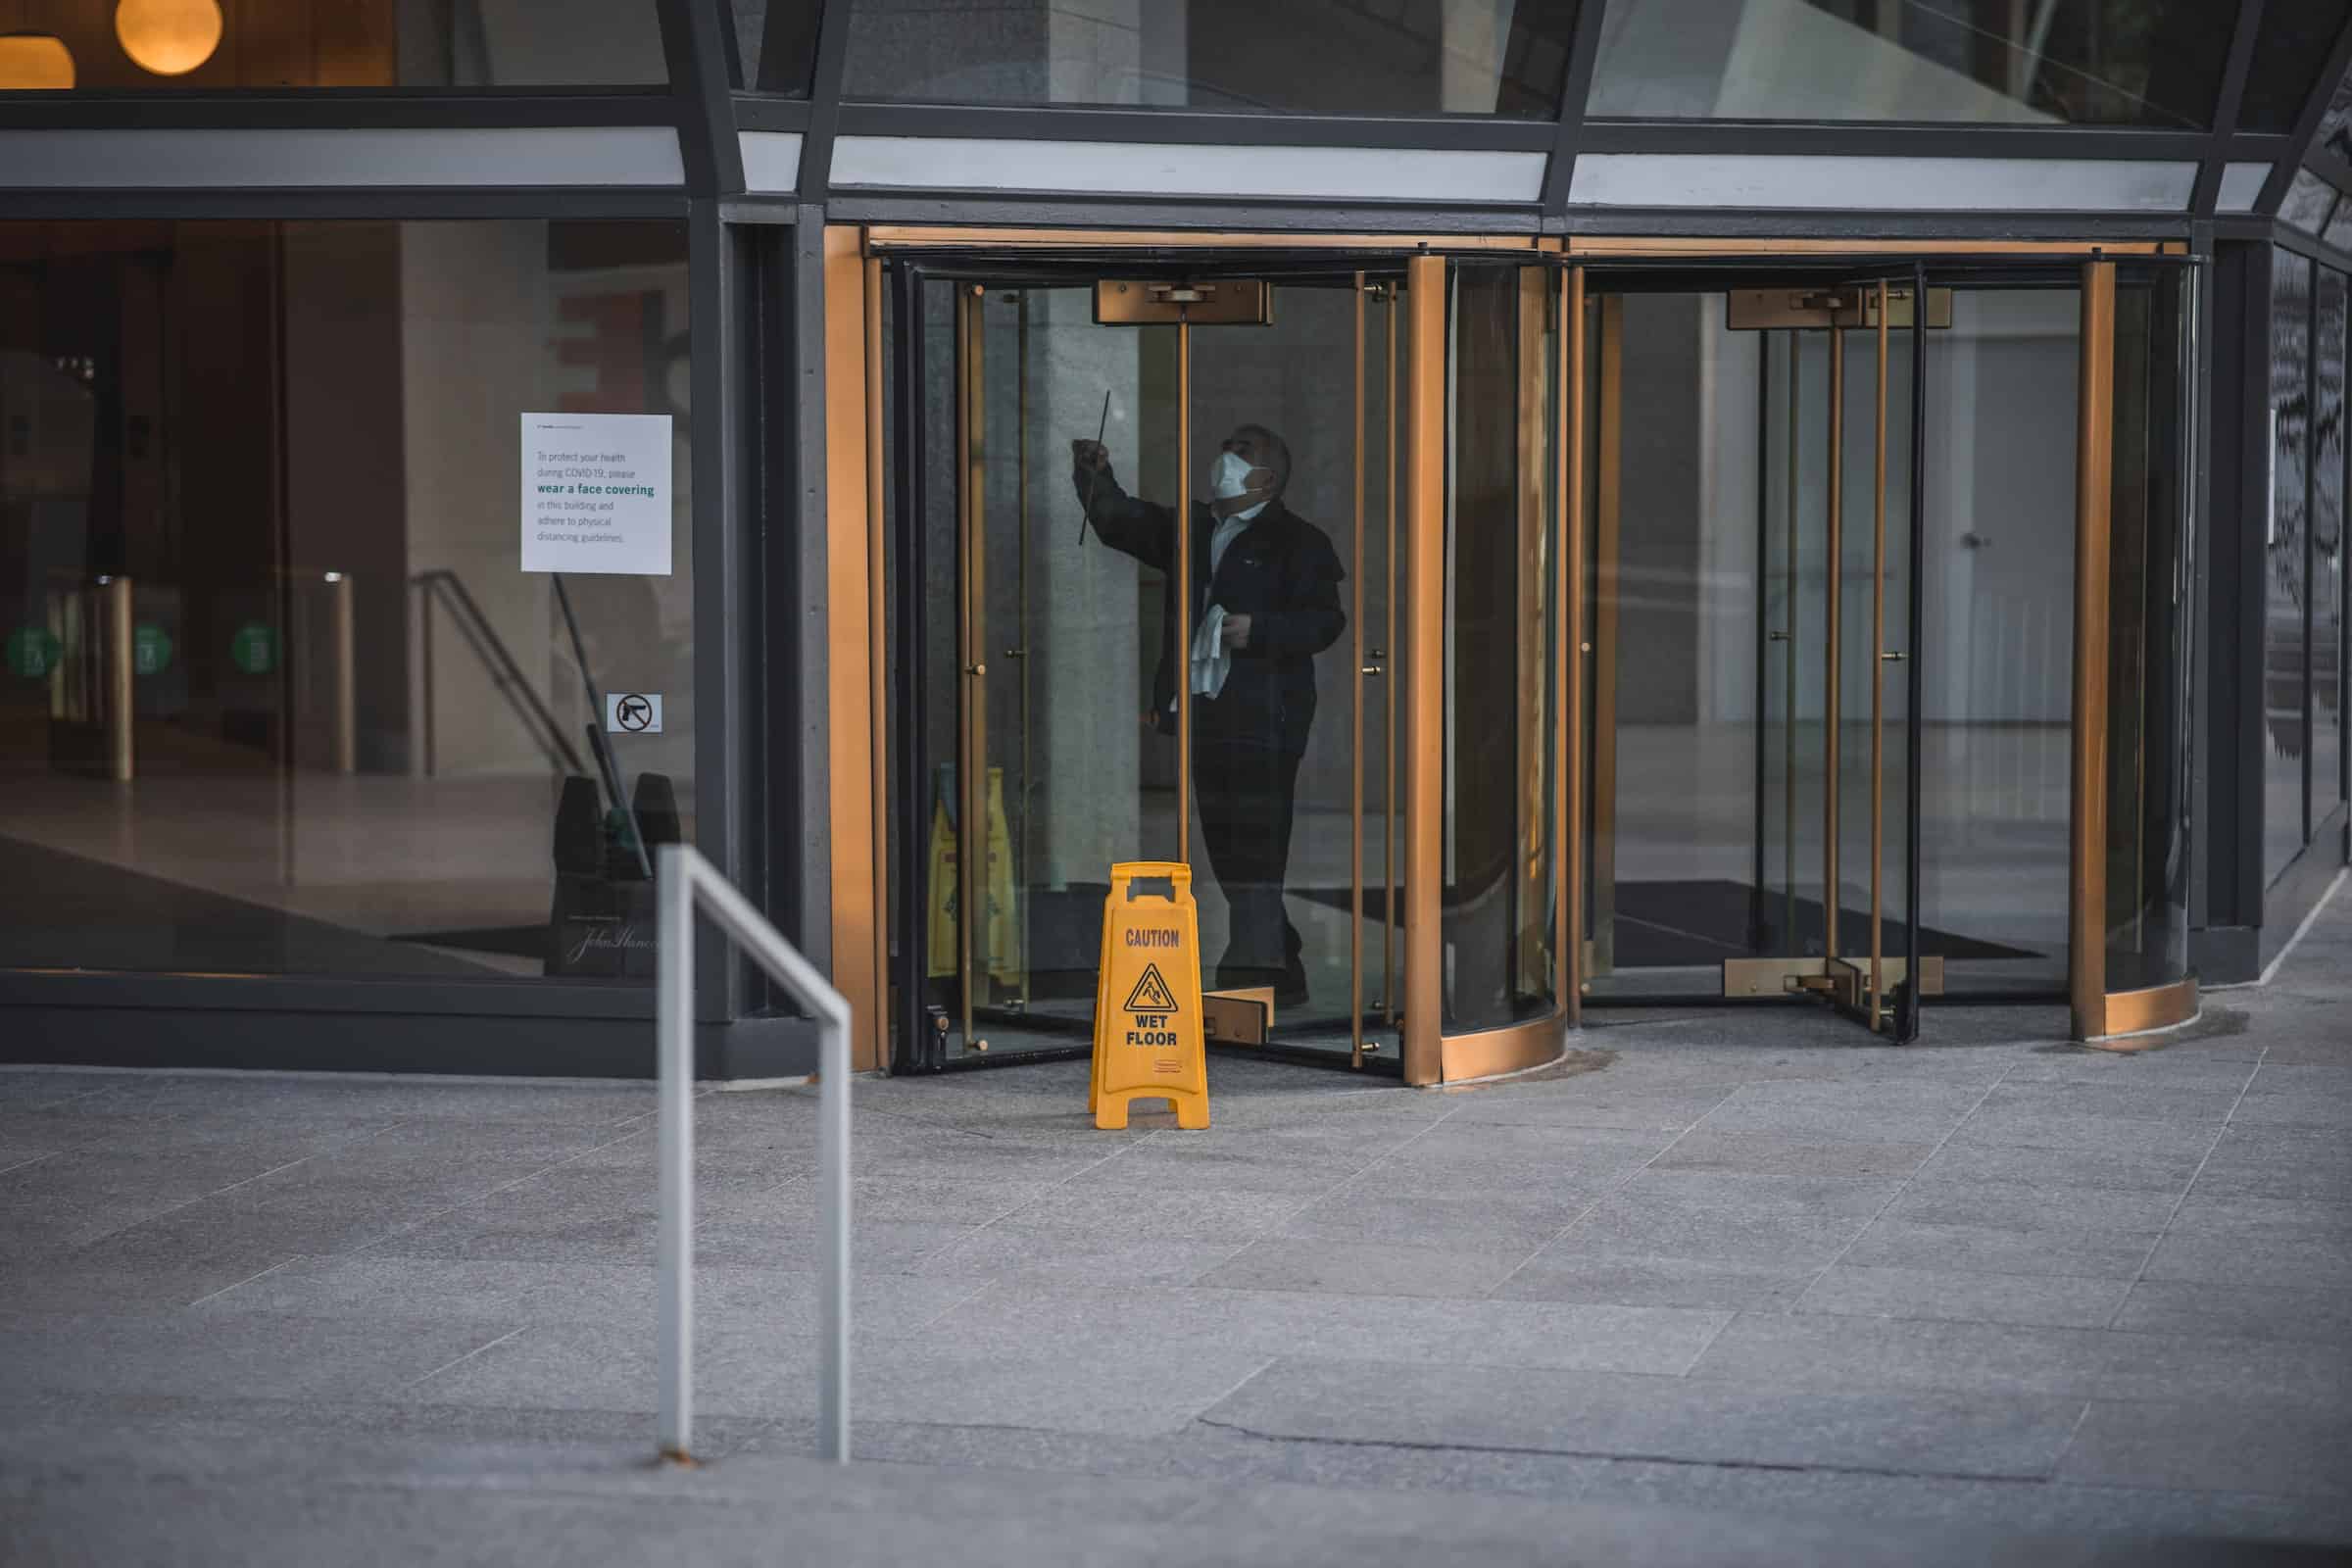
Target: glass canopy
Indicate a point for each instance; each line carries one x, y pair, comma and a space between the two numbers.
1344, 57
2079, 62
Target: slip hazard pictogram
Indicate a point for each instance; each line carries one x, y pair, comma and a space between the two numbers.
1152, 993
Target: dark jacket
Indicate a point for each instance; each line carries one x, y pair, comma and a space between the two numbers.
1280, 572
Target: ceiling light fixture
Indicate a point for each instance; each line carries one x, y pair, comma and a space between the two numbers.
169, 38
34, 62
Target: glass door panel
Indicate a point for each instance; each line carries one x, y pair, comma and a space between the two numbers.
1751, 716
1044, 441
1293, 799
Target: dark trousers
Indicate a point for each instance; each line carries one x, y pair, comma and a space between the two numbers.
1246, 786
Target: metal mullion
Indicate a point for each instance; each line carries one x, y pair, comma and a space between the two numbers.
699, 87
727, 589
1569, 714
2307, 124
824, 99
972, 766
1177, 126
1878, 658
1832, 617
2226, 111
1185, 594
1906, 1022
1960, 225
1568, 127
381, 204
916, 1048
1888, 139
756, 111
2329, 166
1355, 733
1080, 210
347, 109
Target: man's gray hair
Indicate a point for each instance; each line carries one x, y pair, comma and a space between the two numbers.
1277, 453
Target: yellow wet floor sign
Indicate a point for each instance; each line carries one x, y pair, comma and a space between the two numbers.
1148, 997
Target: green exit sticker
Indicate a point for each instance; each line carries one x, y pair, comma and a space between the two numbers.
254, 649
150, 649
33, 652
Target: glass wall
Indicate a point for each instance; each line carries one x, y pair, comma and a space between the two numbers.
775, 45
2003, 385
314, 543
2290, 49
1328, 57
1501, 735
2151, 647
2283, 671
205, 45
2303, 619
2087, 61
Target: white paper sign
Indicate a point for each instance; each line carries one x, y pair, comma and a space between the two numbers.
596, 493
633, 712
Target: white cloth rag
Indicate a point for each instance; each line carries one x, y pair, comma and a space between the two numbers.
1213, 661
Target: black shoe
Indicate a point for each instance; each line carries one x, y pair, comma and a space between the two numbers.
1290, 990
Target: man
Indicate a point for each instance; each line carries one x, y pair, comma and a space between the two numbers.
1265, 601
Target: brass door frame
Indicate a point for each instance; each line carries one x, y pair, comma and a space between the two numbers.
2099, 1014
857, 745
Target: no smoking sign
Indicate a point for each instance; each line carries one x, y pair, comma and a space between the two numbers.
633, 712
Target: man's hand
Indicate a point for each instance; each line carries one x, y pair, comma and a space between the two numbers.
1092, 454
1236, 631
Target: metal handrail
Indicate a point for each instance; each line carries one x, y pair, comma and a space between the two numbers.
498, 661
684, 881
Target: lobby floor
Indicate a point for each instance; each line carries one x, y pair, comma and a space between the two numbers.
1726, 1289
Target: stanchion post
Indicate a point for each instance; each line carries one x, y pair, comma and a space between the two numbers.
685, 882
673, 1013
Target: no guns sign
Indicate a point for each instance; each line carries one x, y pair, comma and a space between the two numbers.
1148, 997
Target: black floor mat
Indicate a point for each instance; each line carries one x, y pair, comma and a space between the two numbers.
1682, 925
1672, 925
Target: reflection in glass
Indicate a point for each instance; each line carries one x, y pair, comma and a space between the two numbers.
2286, 672
2000, 625
2308, 203
2089, 62
2152, 651
775, 45
2290, 50
2335, 127
1466, 57
2326, 577
278, 698
1296, 377
380, 43
1500, 826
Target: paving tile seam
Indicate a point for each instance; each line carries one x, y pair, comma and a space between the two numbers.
1407, 1445
1589, 1209
2172, 1217
1901, 1185
488, 1192
1364, 1169
169, 1210
2073, 1434
460, 1360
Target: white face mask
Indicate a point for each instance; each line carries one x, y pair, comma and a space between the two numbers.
1229, 477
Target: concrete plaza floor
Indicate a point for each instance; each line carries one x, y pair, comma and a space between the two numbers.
1736, 1288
